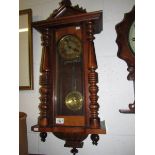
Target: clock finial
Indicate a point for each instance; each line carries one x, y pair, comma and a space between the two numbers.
66, 2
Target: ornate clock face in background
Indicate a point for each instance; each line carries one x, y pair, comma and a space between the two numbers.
126, 48
69, 47
131, 37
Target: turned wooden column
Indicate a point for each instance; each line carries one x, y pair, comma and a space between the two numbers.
45, 81
92, 78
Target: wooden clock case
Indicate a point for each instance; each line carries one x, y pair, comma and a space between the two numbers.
69, 20
124, 50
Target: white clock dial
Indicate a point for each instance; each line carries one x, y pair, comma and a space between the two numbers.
132, 37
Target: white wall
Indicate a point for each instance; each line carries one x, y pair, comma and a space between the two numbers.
114, 90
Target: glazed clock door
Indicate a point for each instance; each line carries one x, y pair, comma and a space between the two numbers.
69, 75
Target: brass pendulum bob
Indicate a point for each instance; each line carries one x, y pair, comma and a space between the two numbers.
74, 99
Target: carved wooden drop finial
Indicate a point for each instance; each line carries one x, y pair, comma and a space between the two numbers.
74, 151
43, 136
95, 138
66, 9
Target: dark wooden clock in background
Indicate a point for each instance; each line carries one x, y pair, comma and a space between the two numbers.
126, 48
69, 107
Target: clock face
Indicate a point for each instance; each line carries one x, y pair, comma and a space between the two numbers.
69, 47
131, 37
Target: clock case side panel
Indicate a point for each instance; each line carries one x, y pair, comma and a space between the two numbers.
53, 74
85, 72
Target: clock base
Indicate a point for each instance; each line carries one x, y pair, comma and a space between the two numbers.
70, 129
74, 151
73, 136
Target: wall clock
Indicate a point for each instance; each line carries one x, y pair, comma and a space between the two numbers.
69, 102
126, 48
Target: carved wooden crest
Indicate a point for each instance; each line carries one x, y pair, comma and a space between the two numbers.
66, 9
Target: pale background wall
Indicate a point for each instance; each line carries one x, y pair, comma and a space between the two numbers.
114, 90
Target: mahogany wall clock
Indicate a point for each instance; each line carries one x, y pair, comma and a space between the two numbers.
126, 48
69, 107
